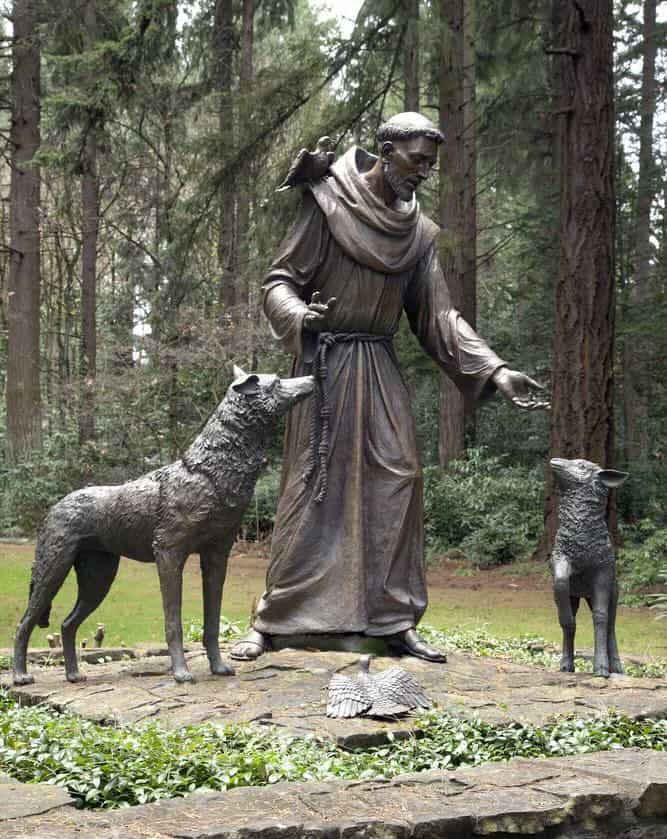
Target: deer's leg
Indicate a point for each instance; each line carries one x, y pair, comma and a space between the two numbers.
561, 575
214, 569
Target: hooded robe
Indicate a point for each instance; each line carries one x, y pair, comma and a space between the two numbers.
354, 561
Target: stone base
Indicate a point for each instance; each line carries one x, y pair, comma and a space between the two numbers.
351, 642
601, 796
289, 688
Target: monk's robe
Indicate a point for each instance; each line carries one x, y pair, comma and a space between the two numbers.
352, 559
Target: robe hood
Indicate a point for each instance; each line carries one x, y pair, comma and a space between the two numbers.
390, 240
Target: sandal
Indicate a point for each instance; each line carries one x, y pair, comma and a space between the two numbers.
251, 647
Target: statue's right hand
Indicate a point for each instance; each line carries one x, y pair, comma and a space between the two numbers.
316, 318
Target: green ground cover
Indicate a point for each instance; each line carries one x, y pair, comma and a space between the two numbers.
132, 612
108, 767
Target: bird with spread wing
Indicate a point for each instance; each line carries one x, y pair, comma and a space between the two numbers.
387, 694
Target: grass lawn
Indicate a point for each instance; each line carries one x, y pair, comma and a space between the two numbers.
507, 602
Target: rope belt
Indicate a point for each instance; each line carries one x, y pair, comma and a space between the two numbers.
319, 421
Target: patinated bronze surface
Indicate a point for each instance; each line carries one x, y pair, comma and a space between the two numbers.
390, 693
583, 562
348, 549
194, 505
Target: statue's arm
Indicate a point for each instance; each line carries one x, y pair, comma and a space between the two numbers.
445, 335
288, 282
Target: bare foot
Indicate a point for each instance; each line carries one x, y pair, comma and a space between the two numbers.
251, 647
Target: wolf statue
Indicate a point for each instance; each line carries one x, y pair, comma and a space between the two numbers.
194, 505
582, 560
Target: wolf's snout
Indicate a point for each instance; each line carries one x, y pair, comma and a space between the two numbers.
298, 388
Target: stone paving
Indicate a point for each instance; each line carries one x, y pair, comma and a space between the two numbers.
288, 688
609, 794
616, 794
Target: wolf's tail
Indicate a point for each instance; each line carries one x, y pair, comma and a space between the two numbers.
53, 560
43, 619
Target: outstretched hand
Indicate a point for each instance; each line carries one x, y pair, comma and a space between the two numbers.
520, 389
315, 319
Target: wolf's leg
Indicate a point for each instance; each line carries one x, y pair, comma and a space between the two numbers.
561, 574
95, 572
214, 569
170, 562
45, 587
615, 665
599, 603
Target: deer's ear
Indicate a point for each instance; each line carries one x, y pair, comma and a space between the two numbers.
239, 373
248, 386
611, 478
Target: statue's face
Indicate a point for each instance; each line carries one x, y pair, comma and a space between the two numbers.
407, 163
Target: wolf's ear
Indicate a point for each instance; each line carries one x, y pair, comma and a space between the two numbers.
248, 386
238, 373
611, 478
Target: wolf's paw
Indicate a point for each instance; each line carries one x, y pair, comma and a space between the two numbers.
567, 667
23, 679
601, 670
75, 676
222, 669
183, 675
615, 666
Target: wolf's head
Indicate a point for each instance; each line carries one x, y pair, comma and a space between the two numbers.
259, 400
572, 475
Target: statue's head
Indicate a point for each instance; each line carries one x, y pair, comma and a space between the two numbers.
408, 147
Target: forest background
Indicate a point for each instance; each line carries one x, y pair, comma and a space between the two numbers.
142, 146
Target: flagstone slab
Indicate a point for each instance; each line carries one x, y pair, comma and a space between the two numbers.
596, 796
289, 689
18, 801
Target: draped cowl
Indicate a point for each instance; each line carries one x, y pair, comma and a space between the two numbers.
355, 561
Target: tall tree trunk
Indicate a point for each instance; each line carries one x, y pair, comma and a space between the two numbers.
411, 56
23, 393
90, 219
223, 50
247, 299
452, 403
469, 237
582, 377
635, 347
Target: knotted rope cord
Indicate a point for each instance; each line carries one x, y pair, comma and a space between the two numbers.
318, 436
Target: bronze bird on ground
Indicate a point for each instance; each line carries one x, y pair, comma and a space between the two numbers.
310, 165
387, 694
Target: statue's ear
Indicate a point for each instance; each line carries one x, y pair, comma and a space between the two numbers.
611, 478
386, 150
248, 386
238, 372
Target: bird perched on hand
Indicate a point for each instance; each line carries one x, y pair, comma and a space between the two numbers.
386, 694
310, 165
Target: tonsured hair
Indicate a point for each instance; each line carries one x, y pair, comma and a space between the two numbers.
406, 126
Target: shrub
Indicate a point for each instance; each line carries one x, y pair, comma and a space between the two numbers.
491, 510
659, 601
644, 495
107, 767
641, 560
260, 516
29, 488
